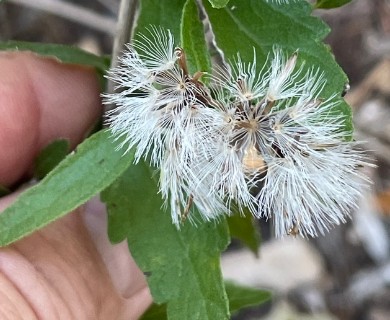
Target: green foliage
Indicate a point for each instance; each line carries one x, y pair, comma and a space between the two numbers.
161, 13
193, 39
288, 26
241, 297
243, 228
49, 157
261, 25
329, 4
93, 166
62, 53
183, 265
155, 312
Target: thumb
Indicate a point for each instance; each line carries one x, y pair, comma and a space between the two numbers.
41, 99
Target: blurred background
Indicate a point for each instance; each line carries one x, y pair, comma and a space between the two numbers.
343, 275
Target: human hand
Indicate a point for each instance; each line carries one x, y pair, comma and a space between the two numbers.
67, 270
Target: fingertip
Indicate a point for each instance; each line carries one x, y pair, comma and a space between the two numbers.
69, 99
42, 100
19, 133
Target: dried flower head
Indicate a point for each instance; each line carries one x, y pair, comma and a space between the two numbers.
266, 141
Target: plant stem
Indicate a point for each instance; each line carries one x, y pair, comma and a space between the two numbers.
126, 19
111, 5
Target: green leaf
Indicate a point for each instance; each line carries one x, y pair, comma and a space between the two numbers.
80, 176
244, 229
241, 297
63, 53
218, 3
328, 4
193, 39
182, 266
155, 312
248, 24
189, 31
161, 13
50, 157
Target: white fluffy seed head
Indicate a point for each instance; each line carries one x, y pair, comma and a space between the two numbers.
264, 140
156, 49
242, 81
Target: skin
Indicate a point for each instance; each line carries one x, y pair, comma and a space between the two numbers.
67, 270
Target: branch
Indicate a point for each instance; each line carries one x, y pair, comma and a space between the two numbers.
111, 5
72, 12
126, 19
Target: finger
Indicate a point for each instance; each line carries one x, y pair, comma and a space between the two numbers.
127, 278
64, 245
136, 305
58, 271
41, 100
